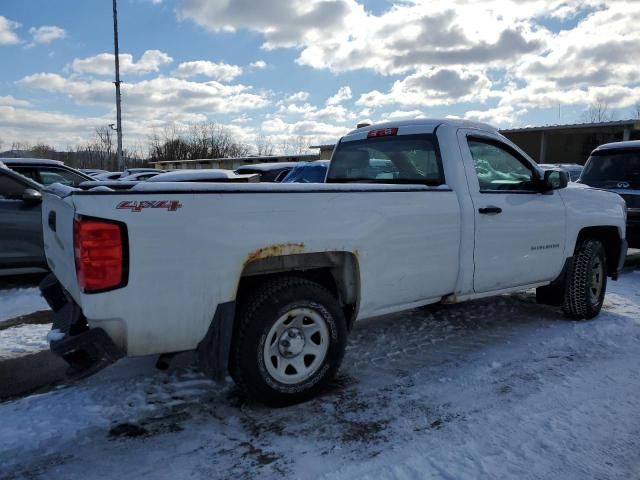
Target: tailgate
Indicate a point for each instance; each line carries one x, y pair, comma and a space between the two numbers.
57, 229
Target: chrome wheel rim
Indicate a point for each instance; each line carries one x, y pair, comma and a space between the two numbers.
296, 346
597, 280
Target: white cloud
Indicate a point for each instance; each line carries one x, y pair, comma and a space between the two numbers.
220, 71
51, 128
258, 65
103, 63
403, 115
47, 33
279, 131
430, 87
8, 36
344, 93
13, 102
155, 97
298, 97
447, 51
505, 116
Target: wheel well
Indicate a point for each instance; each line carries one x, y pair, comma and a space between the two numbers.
336, 271
610, 238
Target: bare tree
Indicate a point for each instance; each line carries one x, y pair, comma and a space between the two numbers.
42, 150
197, 140
264, 146
598, 112
20, 146
636, 111
294, 145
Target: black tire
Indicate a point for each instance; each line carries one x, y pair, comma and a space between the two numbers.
258, 313
580, 298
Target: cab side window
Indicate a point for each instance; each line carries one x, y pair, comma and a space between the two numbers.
500, 169
10, 188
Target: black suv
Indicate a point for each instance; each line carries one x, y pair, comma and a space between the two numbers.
616, 167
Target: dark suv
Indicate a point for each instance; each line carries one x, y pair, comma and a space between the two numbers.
21, 185
616, 167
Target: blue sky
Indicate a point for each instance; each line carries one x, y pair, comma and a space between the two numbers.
296, 72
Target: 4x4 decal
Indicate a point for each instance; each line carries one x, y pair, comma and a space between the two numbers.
170, 205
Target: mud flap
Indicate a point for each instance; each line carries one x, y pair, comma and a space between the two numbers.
213, 350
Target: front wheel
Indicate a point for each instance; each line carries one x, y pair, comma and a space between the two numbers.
289, 341
586, 281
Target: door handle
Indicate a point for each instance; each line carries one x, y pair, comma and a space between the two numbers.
490, 210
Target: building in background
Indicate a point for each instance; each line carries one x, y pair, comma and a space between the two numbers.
570, 143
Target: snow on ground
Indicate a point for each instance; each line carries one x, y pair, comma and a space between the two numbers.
497, 388
20, 301
23, 340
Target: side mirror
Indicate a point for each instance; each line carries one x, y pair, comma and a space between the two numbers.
554, 180
31, 196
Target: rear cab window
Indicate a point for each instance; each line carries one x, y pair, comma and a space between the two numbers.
406, 159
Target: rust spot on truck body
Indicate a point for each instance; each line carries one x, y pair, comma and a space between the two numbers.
276, 250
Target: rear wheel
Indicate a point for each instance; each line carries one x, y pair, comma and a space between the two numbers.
289, 341
586, 281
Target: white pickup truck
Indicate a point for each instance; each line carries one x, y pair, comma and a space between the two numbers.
266, 280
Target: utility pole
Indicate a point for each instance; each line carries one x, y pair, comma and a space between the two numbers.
121, 165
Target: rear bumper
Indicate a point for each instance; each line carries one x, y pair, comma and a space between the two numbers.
86, 350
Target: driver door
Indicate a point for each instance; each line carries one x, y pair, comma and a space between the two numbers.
519, 232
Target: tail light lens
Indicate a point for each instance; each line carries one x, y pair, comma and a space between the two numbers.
100, 254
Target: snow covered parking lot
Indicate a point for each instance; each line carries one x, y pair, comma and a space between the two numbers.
498, 388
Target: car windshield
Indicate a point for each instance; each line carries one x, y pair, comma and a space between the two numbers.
405, 159
613, 167
306, 174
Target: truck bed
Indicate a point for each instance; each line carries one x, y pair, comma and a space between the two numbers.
188, 245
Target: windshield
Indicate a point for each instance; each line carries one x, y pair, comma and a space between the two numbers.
613, 167
392, 159
306, 174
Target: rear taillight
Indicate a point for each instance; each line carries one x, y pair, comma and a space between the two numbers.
100, 253
382, 132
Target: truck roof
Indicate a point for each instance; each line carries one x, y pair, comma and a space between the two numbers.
426, 124
628, 145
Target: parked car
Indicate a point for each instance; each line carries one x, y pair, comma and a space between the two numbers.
22, 181
207, 175
616, 167
107, 176
267, 280
269, 172
139, 176
46, 172
308, 172
573, 169
92, 171
21, 248
131, 171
